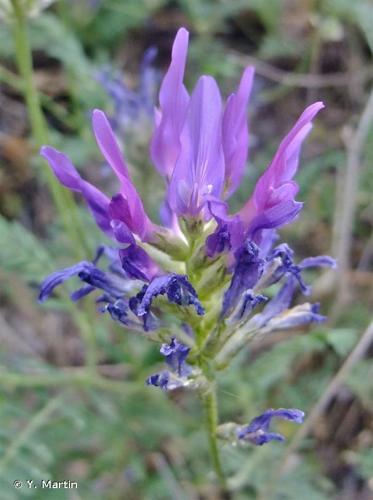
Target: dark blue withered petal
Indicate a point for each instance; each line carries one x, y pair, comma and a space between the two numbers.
176, 287
248, 303
257, 432
58, 277
319, 261
176, 353
247, 271
219, 241
280, 302
298, 316
286, 254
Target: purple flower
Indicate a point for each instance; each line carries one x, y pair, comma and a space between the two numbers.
177, 289
235, 135
199, 169
173, 100
247, 271
124, 214
272, 203
175, 353
257, 432
200, 148
110, 282
137, 263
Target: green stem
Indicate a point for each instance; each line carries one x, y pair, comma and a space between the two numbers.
209, 401
63, 199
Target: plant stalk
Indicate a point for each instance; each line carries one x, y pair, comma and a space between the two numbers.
209, 401
63, 199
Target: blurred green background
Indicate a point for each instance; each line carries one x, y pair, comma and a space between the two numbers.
115, 437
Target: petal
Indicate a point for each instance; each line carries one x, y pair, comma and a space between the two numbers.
199, 170
280, 302
257, 430
127, 207
67, 174
235, 137
108, 145
173, 99
274, 217
137, 263
176, 353
275, 187
247, 271
58, 277
178, 289
319, 261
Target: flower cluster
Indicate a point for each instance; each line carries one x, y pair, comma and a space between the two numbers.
211, 271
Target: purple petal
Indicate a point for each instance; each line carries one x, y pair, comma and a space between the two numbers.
128, 208
257, 432
159, 380
275, 187
297, 316
176, 287
229, 233
67, 174
60, 276
176, 353
173, 99
273, 217
199, 170
319, 261
122, 232
235, 135
137, 263
108, 145
247, 271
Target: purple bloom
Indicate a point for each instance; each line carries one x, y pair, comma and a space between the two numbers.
137, 263
94, 277
257, 432
199, 169
124, 213
235, 135
177, 289
175, 353
200, 148
247, 271
173, 100
272, 203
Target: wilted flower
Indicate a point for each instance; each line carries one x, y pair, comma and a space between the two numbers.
207, 269
257, 431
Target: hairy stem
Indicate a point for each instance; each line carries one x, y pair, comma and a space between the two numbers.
209, 401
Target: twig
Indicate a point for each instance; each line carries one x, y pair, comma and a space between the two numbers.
291, 79
358, 352
355, 145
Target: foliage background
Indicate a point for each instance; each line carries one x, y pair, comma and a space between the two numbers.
111, 434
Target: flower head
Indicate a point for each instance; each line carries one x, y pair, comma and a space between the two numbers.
204, 274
